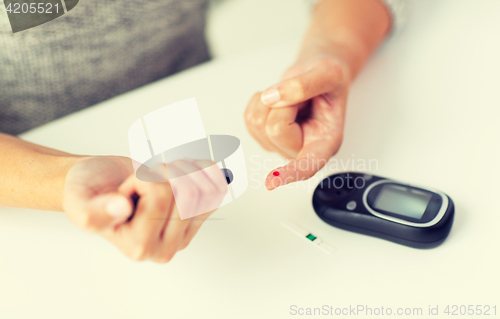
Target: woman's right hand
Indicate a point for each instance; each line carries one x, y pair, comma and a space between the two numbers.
97, 197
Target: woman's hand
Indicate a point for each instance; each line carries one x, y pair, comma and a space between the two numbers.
97, 197
302, 117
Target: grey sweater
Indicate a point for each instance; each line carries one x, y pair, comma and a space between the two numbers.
98, 50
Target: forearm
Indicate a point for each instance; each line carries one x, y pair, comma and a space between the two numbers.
32, 176
348, 29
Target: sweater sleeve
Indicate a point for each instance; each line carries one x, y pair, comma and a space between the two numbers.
397, 8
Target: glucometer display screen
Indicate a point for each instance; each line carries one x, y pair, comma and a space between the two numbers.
402, 201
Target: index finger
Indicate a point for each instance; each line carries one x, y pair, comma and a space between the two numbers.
325, 76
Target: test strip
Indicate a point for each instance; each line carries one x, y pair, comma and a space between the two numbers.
308, 236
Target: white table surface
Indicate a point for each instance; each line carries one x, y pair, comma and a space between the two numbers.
426, 108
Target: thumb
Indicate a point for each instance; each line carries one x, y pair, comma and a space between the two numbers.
324, 77
108, 210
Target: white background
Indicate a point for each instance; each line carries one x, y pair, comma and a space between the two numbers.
237, 26
426, 108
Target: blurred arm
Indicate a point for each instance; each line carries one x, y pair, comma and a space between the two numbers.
349, 29
32, 176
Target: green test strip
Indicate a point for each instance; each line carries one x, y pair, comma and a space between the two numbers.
305, 234
311, 237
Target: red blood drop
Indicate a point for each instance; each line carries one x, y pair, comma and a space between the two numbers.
276, 173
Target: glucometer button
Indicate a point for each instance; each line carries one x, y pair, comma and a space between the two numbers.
351, 205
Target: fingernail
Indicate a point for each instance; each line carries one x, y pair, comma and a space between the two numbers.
118, 207
270, 96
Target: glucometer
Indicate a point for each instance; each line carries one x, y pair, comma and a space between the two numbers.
406, 214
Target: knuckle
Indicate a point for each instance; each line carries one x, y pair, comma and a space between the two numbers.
255, 98
162, 259
259, 123
336, 136
333, 68
327, 64
87, 223
335, 139
254, 121
191, 192
162, 205
274, 128
162, 197
221, 186
165, 256
139, 253
297, 86
176, 162
209, 191
222, 189
150, 188
204, 163
166, 190
134, 257
248, 116
185, 244
249, 111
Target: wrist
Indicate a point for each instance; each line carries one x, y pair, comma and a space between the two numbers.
342, 47
62, 165
348, 29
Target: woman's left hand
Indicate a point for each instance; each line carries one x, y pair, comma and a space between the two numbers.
302, 117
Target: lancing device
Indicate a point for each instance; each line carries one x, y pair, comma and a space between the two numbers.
135, 198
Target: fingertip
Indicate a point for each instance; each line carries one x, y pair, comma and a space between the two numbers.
274, 179
269, 184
